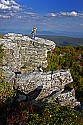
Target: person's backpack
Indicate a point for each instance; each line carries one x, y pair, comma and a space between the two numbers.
32, 32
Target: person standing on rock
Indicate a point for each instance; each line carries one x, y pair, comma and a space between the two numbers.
34, 32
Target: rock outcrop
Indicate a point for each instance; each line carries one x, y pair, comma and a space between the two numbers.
50, 85
25, 54
49, 82
26, 57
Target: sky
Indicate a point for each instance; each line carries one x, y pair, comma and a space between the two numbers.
52, 17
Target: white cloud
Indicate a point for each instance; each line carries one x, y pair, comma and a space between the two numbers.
30, 13
15, 7
5, 2
9, 5
9, 2
52, 14
81, 24
9, 8
4, 16
3, 7
72, 13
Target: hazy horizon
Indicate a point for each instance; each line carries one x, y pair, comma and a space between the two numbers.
52, 33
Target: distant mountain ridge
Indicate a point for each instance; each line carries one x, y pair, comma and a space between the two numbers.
62, 33
64, 40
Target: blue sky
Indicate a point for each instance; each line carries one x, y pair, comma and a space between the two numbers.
52, 16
